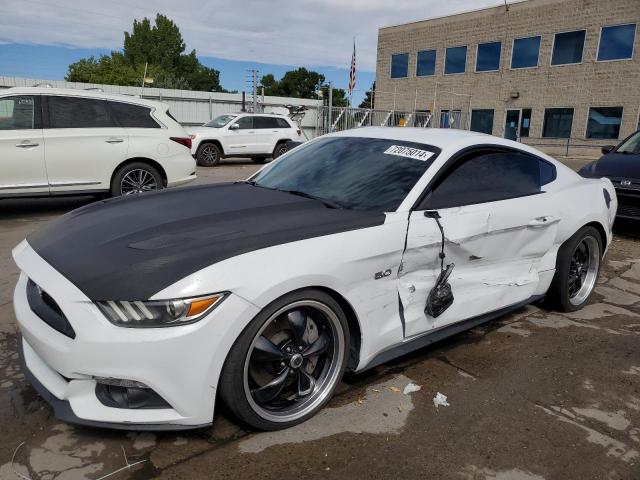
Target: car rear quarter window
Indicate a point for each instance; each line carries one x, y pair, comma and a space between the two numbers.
492, 176
282, 123
78, 112
132, 116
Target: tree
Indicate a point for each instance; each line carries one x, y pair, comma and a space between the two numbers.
301, 83
369, 97
159, 46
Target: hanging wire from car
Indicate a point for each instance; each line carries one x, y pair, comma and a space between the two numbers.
441, 296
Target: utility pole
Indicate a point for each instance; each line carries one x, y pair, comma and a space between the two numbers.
253, 81
255, 90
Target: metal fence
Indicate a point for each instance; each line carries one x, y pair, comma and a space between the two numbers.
337, 119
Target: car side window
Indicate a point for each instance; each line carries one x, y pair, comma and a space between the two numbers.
265, 122
282, 123
245, 123
18, 113
491, 176
78, 112
132, 116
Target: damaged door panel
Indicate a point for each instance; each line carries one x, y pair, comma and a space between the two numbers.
496, 245
496, 259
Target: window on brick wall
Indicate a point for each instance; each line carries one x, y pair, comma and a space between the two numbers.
455, 60
488, 58
526, 52
604, 122
616, 42
568, 47
482, 121
426, 63
557, 122
399, 65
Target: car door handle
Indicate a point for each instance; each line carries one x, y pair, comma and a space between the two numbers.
542, 221
114, 140
27, 144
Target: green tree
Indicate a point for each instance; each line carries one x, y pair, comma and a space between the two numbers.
301, 83
162, 48
369, 97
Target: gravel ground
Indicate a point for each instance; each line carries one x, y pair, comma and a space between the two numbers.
533, 395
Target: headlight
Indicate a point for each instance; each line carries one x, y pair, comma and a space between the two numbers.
159, 313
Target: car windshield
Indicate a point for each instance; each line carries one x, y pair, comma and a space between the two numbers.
351, 172
631, 145
220, 121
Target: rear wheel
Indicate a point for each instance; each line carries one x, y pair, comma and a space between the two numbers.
208, 155
288, 361
577, 269
280, 149
136, 177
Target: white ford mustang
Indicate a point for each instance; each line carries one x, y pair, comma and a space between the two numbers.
350, 250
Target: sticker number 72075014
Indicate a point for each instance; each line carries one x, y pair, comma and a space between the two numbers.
409, 152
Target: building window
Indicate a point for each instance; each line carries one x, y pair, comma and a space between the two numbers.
488, 58
450, 118
604, 122
426, 63
399, 65
455, 60
568, 47
616, 42
525, 52
557, 123
482, 121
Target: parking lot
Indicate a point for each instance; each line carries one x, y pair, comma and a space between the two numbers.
533, 395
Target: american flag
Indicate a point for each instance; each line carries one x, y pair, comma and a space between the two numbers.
352, 71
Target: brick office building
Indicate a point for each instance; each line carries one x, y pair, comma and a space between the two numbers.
543, 71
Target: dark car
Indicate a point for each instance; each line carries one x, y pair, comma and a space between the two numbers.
621, 165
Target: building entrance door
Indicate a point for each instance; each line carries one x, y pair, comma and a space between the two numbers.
511, 124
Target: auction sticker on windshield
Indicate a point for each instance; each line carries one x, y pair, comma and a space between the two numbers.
409, 152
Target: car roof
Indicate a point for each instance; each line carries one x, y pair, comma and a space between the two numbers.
71, 92
443, 138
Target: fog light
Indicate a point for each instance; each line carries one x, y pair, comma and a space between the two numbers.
116, 396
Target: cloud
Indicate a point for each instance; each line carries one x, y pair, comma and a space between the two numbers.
301, 32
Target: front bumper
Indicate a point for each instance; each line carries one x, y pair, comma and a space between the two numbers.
628, 202
181, 364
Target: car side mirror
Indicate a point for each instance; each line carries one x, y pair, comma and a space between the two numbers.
234, 126
608, 149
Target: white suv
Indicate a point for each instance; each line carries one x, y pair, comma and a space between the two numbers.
63, 142
255, 136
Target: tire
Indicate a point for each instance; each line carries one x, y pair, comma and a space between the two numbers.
136, 177
208, 155
567, 293
267, 365
280, 149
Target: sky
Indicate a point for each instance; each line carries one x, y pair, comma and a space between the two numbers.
39, 38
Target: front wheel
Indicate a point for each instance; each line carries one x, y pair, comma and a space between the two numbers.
136, 177
286, 364
577, 268
208, 155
